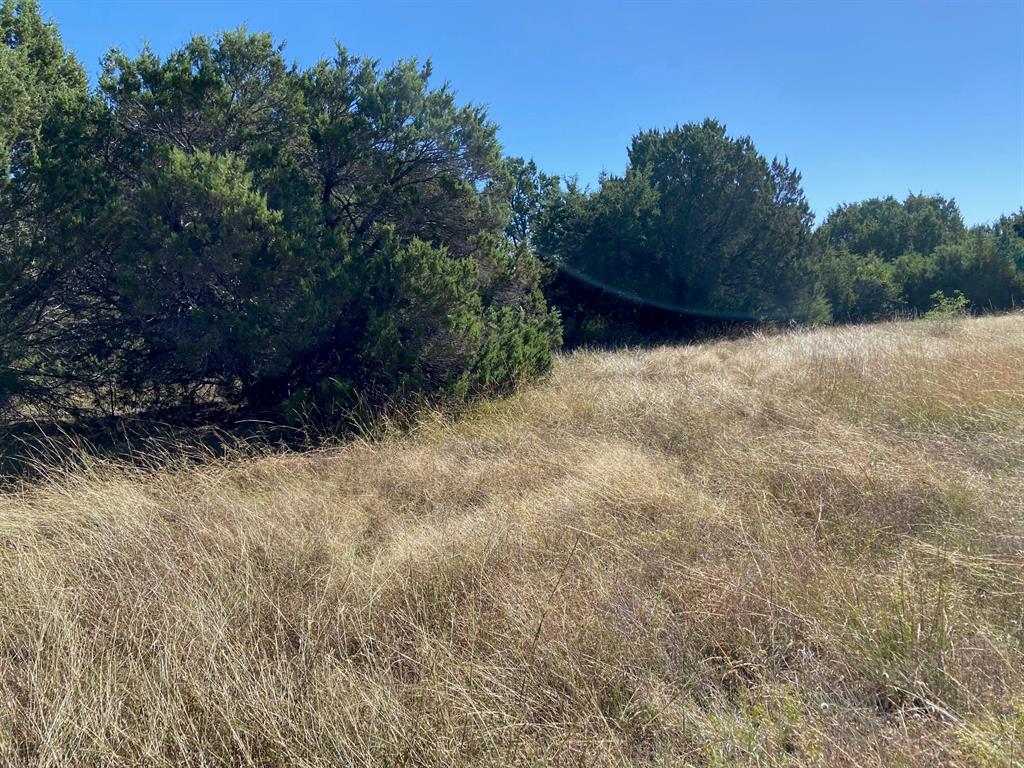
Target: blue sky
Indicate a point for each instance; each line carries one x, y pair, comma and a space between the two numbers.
866, 99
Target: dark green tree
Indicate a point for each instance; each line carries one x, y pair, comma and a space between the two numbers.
287, 241
889, 228
529, 190
925, 248
859, 288
43, 92
700, 223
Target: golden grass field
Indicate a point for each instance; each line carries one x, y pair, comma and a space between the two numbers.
795, 549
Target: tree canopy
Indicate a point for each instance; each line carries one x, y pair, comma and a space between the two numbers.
700, 223
41, 84
277, 239
889, 228
882, 256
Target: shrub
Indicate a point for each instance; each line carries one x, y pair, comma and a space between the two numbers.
947, 306
281, 241
700, 224
858, 288
917, 247
981, 266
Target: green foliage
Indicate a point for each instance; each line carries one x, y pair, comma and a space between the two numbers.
529, 190
219, 227
515, 350
282, 241
40, 84
858, 287
196, 274
982, 265
35, 73
700, 223
1013, 226
915, 249
889, 228
947, 306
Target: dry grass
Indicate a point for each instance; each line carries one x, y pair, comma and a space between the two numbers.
804, 549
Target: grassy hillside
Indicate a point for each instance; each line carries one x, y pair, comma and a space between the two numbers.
802, 549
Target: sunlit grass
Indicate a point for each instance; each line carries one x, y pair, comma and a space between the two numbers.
804, 548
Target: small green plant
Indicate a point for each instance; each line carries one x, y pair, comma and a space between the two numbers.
948, 307
946, 312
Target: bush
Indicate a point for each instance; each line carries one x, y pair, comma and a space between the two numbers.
859, 288
880, 254
981, 266
700, 224
944, 307
286, 242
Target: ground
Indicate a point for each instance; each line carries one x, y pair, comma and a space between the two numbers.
803, 548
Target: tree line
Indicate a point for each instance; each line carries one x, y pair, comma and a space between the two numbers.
222, 229
701, 224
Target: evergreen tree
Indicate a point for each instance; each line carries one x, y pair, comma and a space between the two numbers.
42, 91
284, 241
700, 223
916, 248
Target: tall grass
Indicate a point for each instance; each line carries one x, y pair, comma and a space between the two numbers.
799, 549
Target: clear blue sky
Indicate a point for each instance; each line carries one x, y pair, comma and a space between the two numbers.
865, 99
